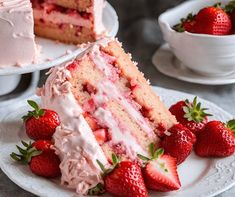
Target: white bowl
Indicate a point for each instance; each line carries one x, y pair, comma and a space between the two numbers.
205, 54
8, 83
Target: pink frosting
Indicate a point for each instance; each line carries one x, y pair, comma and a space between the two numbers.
16, 22
74, 141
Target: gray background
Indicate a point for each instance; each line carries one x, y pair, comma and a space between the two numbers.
141, 36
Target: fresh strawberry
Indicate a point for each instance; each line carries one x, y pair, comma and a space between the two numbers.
186, 24
41, 159
213, 21
160, 171
179, 143
191, 115
101, 136
217, 140
123, 179
40, 124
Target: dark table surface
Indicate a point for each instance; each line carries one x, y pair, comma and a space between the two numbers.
140, 35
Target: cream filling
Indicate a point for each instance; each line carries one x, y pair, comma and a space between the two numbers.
61, 18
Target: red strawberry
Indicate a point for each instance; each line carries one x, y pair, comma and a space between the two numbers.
217, 140
41, 158
160, 172
187, 24
191, 115
101, 136
91, 121
179, 143
213, 21
124, 179
40, 124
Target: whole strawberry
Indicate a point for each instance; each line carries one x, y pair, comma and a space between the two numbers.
41, 159
190, 114
160, 171
124, 179
40, 124
217, 140
178, 143
186, 24
213, 21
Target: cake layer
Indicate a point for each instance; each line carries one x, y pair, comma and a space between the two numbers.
51, 14
64, 32
16, 22
81, 5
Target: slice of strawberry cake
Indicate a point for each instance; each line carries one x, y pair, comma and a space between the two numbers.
106, 106
70, 21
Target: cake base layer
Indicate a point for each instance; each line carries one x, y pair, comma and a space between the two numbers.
75, 4
64, 32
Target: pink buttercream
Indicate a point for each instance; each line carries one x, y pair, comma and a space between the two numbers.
74, 141
16, 22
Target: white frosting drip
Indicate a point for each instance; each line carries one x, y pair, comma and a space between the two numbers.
16, 22
74, 140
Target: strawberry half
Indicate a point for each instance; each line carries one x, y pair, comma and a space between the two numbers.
217, 140
123, 179
190, 114
40, 124
179, 143
41, 159
160, 171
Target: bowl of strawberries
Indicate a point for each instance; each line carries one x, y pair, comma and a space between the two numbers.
201, 35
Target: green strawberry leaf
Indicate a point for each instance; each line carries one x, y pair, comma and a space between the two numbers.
143, 157
158, 153
97, 190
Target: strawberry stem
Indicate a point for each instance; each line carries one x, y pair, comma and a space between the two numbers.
26, 154
194, 112
36, 113
230, 7
231, 125
115, 162
97, 190
155, 154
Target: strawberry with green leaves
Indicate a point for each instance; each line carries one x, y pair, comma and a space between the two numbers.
40, 157
217, 140
123, 179
40, 124
186, 24
160, 171
190, 114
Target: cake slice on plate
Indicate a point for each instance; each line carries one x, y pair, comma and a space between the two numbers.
17, 45
106, 106
69, 21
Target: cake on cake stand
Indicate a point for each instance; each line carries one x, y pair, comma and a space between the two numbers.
52, 54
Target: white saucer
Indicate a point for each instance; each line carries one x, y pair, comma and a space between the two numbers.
54, 53
165, 61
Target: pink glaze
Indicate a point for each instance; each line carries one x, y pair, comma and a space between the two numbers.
74, 141
16, 23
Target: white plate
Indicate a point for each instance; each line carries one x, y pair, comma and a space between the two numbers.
54, 53
199, 176
165, 61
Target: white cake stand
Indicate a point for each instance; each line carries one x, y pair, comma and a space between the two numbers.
52, 54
